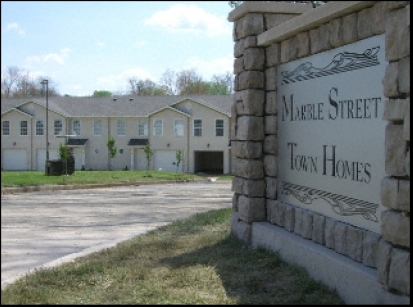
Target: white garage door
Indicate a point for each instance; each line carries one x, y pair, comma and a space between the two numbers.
41, 158
163, 159
15, 160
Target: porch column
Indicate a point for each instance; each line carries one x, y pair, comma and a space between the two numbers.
83, 157
132, 159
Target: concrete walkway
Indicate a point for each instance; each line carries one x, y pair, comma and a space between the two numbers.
47, 228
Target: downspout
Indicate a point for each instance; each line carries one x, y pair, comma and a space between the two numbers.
187, 144
31, 144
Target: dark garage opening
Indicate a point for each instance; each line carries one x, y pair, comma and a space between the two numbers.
211, 162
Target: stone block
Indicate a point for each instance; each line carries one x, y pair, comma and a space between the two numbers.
389, 192
237, 149
254, 188
354, 243
239, 48
236, 30
393, 110
235, 198
239, 107
270, 144
340, 230
319, 225
379, 18
236, 83
329, 233
365, 23
237, 185
320, 39
307, 225
240, 229
270, 165
254, 59
394, 149
336, 32
399, 275
391, 81
383, 262
251, 80
395, 228
271, 124
252, 209
273, 55
349, 29
406, 165
252, 24
273, 20
397, 35
238, 65
271, 187
248, 169
370, 248
285, 51
271, 204
279, 214
406, 120
303, 44
403, 197
271, 103
252, 101
250, 41
246, 150
271, 79
404, 75
289, 221
250, 128
298, 221
293, 53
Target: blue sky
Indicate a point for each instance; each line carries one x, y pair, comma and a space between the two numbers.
87, 46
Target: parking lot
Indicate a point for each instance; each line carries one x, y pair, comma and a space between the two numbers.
51, 227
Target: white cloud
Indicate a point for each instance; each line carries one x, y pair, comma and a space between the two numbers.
59, 57
112, 81
141, 43
190, 18
100, 44
15, 27
213, 67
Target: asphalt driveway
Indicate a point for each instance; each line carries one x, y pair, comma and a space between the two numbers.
44, 229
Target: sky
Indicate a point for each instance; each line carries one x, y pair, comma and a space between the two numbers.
86, 46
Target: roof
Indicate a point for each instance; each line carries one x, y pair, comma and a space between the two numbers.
123, 106
138, 142
76, 142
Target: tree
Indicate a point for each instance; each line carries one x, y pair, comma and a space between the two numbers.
179, 156
148, 153
113, 150
10, 78
315, 4
146, 88
102, 93
64, 155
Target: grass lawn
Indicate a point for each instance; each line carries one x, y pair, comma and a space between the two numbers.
191, 261
33, 178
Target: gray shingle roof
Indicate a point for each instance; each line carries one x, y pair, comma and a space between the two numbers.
138, 142
76, 142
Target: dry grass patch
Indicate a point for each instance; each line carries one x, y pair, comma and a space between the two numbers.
191, 261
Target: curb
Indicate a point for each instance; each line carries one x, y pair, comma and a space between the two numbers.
16, 190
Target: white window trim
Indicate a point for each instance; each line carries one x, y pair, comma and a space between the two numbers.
54, 126
117, 126
27, 128
183, 127
101, 127
223, 127
202, 127
80, 127
154, 129
40, 120
2, 128
147, 127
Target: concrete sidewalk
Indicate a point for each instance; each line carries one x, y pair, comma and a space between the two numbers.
47, 228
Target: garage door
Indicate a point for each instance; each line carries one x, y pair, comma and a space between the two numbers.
15, 160
163, 159
41, 158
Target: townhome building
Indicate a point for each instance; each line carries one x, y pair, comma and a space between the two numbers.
197, 125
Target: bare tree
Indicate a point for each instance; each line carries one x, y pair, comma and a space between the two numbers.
168, 79
10, 78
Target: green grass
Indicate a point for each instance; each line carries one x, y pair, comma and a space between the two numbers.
190, 261
33, 178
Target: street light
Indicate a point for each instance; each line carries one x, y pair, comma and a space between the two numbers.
45, 81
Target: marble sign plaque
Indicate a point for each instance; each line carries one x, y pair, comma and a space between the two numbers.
331, 132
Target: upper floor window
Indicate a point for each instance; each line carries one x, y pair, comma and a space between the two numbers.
158, 127
39, 127
179, 127
219, 127
197, 127
121, 126
97, 127
58, 126
6, 127
143, 127
76, 127
23, 127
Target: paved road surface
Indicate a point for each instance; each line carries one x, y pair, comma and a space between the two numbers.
51, 227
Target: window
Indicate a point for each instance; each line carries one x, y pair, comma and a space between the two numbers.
121, 126
143, 127
58, 126
76, 127
158, 127
6, 127
219, 127
23, 127
197, 127
39, 127
179, 127
97, 127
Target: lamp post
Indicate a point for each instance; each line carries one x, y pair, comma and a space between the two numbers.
45, 81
